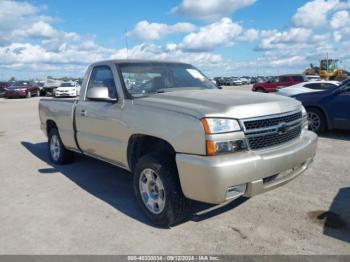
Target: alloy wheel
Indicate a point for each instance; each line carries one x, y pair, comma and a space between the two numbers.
152, 191
314, 121
55, 148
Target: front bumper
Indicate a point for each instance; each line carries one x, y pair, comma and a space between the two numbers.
16, 94
65, 94
208, 179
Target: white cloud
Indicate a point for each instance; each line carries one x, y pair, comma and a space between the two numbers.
30, 42
288, 61
19, 17
149, 51
249, 35
27, 53
223, 32
340, 19
292, 38
38, 29
314, 13
152, 31
210, 9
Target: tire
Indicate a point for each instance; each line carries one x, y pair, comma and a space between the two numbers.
29, 94
317, 120
168, 193
59, 155
260, 90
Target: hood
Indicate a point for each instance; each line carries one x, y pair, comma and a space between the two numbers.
68, 88
221, 103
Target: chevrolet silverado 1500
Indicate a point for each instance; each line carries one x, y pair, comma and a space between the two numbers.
179, 135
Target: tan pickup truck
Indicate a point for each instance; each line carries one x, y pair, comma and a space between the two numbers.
180, 136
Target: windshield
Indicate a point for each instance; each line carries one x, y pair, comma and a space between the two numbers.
66, 85
330, 65
345, 84
20, 83
146, 78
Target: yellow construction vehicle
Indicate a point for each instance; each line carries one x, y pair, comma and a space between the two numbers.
329, 69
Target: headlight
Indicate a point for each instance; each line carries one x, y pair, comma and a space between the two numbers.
215, 126
220, 125
305, 120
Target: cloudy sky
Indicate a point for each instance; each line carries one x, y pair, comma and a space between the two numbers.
221, 37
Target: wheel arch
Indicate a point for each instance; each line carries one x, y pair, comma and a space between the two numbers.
142, 144
50, 124
329, 124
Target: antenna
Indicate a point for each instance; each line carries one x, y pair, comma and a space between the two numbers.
126, 44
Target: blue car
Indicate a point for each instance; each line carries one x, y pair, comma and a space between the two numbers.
329, 109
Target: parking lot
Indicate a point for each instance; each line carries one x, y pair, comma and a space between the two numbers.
88, 207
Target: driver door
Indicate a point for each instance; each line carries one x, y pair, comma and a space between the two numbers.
98, 122
339, 108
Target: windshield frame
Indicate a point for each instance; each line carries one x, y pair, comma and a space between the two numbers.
129, 95
20, 84
70, 84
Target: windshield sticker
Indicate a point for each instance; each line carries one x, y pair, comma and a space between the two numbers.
196, 74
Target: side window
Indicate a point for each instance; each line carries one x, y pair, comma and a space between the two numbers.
313, 86
284, 79
298, 78
102, 76
326, 86
347, 88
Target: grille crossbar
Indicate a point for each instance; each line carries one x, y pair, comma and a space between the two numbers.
272, 131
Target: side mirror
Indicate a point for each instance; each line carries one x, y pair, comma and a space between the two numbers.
100, 93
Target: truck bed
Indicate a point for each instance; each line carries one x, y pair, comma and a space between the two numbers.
61, 111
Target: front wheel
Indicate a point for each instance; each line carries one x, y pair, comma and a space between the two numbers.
158, 191
316, 119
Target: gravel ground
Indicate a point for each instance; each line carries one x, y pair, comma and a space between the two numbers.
88, 207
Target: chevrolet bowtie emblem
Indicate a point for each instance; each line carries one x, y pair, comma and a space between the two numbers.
282, 128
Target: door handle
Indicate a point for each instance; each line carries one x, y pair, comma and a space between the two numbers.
82, 113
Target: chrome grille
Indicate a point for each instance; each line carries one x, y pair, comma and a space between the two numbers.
268, 122
272, 131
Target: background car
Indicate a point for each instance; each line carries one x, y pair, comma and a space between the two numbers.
328, 109
313, 78
235, 81
307, 87
219, 81
283, 81
68, 89
22, 89
3, 86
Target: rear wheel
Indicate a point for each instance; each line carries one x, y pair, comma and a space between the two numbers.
58, 153
158, 191
317, 121
260, 90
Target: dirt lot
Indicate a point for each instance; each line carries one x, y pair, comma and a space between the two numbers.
88, 207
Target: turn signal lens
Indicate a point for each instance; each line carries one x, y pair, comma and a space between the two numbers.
224, 147
211, 151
